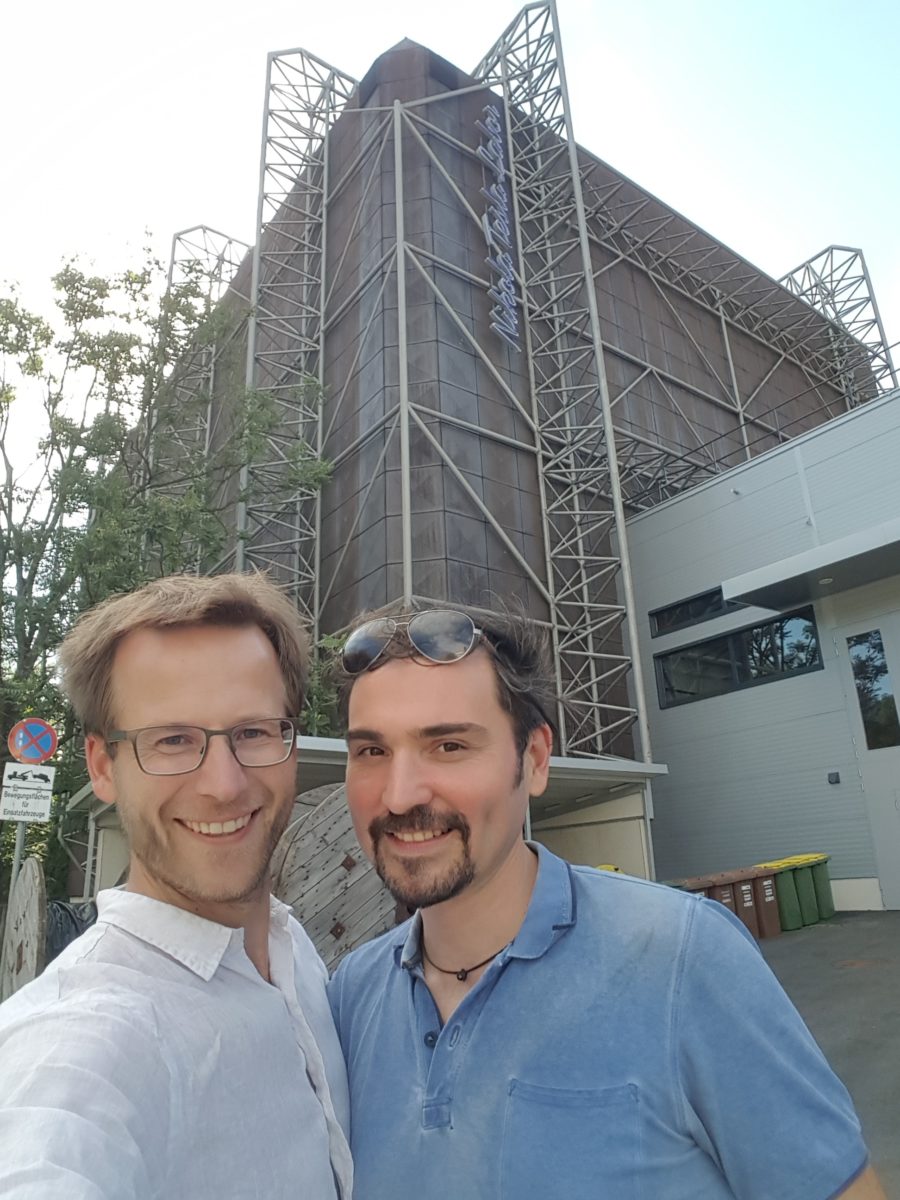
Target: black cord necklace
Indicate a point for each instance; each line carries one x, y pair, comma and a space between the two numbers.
464, 972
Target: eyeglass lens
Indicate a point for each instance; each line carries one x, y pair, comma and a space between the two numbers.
441, 636
174, 749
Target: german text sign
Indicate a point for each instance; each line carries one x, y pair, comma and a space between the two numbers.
27, 792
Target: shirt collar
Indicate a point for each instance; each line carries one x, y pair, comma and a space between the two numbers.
196, 943
551, 911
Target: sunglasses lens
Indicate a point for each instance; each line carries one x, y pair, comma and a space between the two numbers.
442, 636
365, 644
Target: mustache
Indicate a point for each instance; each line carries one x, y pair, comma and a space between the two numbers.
420, 819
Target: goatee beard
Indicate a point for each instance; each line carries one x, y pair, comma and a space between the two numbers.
412, 882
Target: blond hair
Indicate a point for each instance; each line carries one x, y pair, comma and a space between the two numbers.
87, 653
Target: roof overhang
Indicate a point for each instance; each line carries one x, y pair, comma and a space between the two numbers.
863, 557
574, 782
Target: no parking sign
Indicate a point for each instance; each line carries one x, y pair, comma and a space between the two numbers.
32, 741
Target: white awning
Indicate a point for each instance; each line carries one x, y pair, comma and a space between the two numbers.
862, 557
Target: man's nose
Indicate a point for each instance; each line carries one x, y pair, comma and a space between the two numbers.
223, 776
406, 785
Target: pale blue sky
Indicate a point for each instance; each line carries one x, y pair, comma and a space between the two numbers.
770, 123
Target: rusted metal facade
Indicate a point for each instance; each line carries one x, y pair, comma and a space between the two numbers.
518, 348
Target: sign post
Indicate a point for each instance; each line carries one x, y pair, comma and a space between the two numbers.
27, 792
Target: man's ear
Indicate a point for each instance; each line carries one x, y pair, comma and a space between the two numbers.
100, 768
537, 759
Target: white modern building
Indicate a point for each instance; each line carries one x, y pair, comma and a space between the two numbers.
768, 604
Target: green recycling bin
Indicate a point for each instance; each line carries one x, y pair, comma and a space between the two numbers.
822, 884
806, 893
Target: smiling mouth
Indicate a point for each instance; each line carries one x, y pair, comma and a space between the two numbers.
419, 835
219, 828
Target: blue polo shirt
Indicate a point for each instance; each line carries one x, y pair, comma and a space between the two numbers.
630, 1044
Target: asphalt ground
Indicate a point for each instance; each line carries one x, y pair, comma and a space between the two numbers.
844, 977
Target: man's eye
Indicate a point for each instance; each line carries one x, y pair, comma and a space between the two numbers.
369, 752
171, 740
451, 747
252, 733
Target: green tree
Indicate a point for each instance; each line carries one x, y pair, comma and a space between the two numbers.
130, 472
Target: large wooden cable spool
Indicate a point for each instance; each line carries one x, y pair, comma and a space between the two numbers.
25, 939
320, 871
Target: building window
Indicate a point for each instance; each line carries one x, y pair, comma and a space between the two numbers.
744, 658
874, 690
691, 612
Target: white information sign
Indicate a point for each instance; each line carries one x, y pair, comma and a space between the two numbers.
27, 792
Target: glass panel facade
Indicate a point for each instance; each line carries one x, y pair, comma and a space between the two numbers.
754, 655
690, 612
776, 648
874, 690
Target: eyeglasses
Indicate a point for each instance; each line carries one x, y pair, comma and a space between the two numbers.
441, 636
178, 749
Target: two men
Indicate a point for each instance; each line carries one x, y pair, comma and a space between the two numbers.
182, 1047
539, 1030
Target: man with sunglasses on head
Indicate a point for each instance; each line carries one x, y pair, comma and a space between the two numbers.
183, 1046
539, 1030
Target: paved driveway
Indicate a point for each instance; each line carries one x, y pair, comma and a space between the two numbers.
844, 977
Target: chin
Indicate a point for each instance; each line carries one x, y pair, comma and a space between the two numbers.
425, 893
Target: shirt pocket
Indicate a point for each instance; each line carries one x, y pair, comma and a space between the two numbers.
576, 1144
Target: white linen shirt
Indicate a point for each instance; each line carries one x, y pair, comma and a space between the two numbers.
151, 1060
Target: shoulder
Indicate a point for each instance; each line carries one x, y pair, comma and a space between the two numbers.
84, 1007
63, 1040
366, 970
649, 931
632, 906
88, 1056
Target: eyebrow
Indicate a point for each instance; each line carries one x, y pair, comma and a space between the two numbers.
429, 731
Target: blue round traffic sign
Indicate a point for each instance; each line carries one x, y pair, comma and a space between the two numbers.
32, 740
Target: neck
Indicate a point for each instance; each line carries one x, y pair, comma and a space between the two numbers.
250, 914
484, 917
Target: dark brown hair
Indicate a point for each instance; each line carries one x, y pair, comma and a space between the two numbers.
520, 653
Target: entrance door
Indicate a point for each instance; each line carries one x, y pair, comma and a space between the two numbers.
870, 652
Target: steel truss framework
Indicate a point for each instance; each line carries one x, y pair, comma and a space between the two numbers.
575, 444
203, 267
276, 531
836, 282
575, 220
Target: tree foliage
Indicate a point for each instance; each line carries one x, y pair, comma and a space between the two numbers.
119, 461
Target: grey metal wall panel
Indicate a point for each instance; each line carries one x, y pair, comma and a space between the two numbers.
747, 771
711, 534
748, 780
852, 472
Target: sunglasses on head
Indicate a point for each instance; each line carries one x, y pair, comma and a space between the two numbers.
441, 636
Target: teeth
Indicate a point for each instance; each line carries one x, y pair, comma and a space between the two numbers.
217, 828
422, 835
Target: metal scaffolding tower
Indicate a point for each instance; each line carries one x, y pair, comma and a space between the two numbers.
836, 282
180, 421
202, 269
276, 524
589, 579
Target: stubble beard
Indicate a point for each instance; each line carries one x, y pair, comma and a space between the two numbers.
414, 882
148, 848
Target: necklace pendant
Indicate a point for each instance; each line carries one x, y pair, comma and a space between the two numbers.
462, 976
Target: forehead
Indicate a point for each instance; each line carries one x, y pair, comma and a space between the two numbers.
194, 670
408, 693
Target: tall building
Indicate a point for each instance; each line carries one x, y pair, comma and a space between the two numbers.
514, 349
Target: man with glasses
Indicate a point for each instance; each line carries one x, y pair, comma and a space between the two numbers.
183, 1046
539, 1030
